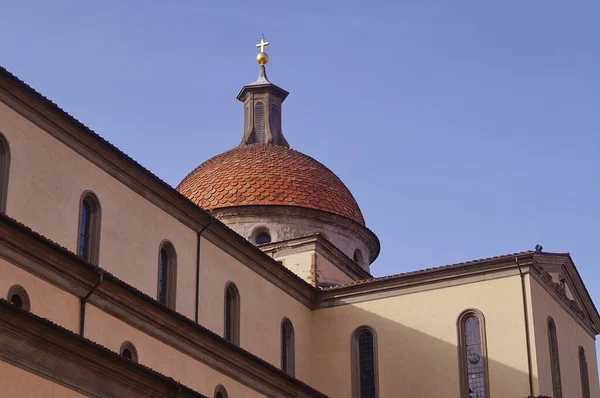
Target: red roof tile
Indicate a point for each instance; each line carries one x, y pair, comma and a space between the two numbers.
264, 174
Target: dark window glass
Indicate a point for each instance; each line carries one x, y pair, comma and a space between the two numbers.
554, 359
219, 394
15, 299
229, 297
474, 358
83, 247
366, 361
583, 369
287, 347
275, 122
162, 276
126, 353
259, 120
263, 238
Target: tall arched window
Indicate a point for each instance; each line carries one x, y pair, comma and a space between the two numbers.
583, 369
287, 347
221, 392
364, 363
18, 297
259, 122
4, 167
88, 241
554, 359
167, 274
472, 355
275, 122
232, 313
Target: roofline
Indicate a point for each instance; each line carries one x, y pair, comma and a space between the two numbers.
93, 270
9, 310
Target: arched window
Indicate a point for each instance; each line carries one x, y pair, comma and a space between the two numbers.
364, 363
262, 237
167, 274
275, 122
232, 313
259, 122
18, 297
4, 167
583, 369
221, 392
88, 242
472, 355
554, 360
287, 347
128, 351
358, 258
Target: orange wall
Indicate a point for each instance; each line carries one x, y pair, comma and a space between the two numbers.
19, 383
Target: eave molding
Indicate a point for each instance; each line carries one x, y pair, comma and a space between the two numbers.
63, 269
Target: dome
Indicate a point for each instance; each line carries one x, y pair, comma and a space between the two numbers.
264, 174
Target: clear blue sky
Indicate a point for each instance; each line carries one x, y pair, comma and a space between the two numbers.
464, 129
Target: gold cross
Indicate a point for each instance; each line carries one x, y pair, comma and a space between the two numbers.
262, 44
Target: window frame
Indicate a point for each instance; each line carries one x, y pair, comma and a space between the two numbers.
554, 359
288, 347
128, 345
18, 290
4, 171
94, 227
221, 389
234, 313
171, 274
462, 360
355, 360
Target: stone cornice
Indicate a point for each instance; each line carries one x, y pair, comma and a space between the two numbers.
52, 352
61, 268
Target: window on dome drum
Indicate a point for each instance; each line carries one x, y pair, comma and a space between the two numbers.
259, 121
473, 355
88, 241
232, 314
4, 167
583, 370
221, 392
128, 351
364, 363
262, 238
167, 274
554, 359
287, 347
358, 258
18, 297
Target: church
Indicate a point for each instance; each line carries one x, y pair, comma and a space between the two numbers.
251, 278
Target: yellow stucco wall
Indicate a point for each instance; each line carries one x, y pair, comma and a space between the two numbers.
111, 333
262, 307
417, 341
20, 383
46, 182
46, 300
570, 336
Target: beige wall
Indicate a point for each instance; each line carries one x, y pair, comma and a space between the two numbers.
329, 272
111, 333
298, 263
46, 300
46, 182
262, 307
17, 382
570, 336
417, 341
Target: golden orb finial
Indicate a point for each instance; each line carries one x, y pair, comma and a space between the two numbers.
262, 57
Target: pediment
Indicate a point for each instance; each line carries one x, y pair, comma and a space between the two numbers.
562, 279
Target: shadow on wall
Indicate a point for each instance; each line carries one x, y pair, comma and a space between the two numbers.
412, 363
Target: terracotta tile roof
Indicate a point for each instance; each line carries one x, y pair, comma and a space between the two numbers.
425, 270
265, 174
